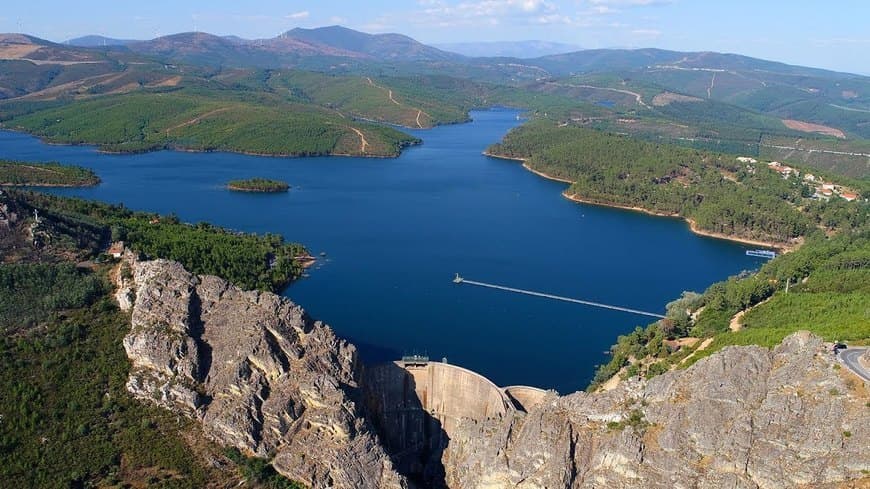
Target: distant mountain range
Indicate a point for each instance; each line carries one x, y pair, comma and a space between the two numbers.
378, 46
288, 48
508, 49
283, 50
94, 41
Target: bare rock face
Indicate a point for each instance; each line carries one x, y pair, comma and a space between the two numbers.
746, 417
8, 217
256, 371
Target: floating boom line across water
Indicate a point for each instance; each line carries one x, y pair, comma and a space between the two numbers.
460, 280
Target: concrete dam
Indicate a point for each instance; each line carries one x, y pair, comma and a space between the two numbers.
417, 404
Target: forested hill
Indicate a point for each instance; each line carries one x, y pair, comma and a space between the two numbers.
824, 287
718, 193
19, 173
67, 417
82, 230
204, 120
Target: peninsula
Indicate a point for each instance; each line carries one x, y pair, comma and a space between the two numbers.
21, 174
719, 196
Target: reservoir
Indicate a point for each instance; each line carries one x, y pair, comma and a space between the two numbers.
395, 232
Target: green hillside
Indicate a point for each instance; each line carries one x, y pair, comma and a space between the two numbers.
715, 191
205, 121
822, 288
72, 227
20, 173
68, 419
369, 98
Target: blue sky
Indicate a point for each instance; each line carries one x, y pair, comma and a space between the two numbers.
833, 34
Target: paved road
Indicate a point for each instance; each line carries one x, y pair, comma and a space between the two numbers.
849, 358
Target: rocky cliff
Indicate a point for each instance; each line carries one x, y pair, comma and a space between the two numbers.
255, 370
746, 417
263, 377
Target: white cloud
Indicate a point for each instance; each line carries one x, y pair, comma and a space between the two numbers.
554, 19
378, 25
647, 33
299, 15
489, 8
450, 14
630, 3
534, 5
840, 40
492, 12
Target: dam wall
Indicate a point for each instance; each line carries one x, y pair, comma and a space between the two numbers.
526, 398
418, 405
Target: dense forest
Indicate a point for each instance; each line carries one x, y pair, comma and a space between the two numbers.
204, 120
250, 261
718, 193
67, 418
21, 173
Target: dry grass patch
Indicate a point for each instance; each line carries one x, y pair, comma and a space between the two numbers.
810, 127
666, 98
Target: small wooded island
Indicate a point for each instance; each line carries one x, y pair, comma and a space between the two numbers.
258, 185
20, 174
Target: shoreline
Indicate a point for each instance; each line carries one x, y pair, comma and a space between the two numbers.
257, 191
544, 175
182, 149
693, 227
52, 185
527, 167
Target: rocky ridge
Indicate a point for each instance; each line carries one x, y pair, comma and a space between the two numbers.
7, 215
746, 417
261, 376
254, 370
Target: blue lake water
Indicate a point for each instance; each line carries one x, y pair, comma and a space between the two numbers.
396, 230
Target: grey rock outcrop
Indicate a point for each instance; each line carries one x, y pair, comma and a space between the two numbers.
8, 216
256, 371
746, 417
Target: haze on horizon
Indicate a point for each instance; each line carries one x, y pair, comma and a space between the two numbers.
832, 35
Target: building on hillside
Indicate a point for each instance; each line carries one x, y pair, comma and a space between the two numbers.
785, 171
746, 159
117, 249
849, 196
809, 177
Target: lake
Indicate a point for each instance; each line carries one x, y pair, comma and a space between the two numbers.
396, 230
